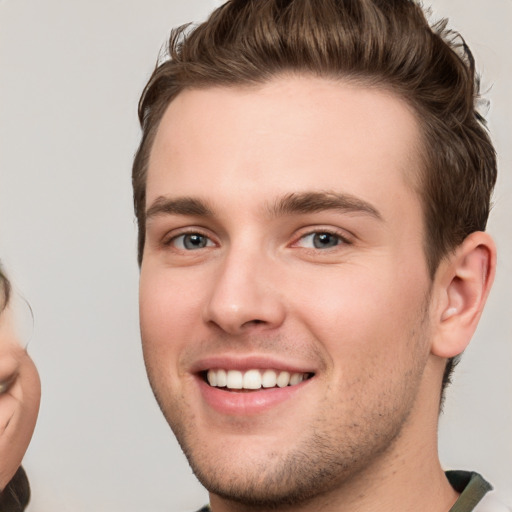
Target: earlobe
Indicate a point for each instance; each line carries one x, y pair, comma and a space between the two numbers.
462, 284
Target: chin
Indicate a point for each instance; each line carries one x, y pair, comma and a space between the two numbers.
272, 475
282, 483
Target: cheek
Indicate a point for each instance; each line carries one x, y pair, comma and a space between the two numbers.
170, 313
361, 319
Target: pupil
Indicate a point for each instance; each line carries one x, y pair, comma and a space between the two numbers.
194, 241
322, 240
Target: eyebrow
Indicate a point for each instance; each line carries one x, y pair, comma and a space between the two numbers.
178, 206
311, 202
293, 203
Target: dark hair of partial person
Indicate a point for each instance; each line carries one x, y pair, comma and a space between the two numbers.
386, 44
16, 495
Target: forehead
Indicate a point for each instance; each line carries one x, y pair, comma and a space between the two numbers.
290, 134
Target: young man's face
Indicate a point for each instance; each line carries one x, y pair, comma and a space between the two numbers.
284, 241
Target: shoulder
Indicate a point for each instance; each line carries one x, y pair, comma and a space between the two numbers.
476, 494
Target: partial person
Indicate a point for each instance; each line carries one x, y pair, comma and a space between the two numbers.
20, 392
312, 189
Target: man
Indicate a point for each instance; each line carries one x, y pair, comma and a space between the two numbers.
312, 189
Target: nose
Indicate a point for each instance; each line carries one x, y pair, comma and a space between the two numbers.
245, 294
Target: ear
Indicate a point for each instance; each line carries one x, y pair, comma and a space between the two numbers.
461, 286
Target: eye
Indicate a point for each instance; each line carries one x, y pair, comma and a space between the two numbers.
191, 242
320, 240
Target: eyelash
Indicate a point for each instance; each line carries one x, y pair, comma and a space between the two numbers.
172, 239
341, 239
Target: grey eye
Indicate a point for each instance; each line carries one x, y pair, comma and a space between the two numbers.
192, 241
325, 240
321, 240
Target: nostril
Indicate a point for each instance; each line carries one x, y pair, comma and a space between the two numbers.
253, 322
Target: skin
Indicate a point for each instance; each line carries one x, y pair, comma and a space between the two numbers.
19, 399
361, 314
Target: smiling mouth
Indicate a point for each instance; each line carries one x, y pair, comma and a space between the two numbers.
253, 380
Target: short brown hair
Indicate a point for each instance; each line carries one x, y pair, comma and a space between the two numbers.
384, 43
387, 43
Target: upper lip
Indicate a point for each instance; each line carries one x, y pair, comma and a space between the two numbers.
244, 363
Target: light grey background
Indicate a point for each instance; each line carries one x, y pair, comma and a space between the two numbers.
70, 76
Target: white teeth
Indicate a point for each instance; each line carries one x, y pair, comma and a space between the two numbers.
296, 378
283, 380
253, 379
235, 379
222, 378
269, 379
212, 377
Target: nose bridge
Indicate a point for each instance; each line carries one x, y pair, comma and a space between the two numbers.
244, 292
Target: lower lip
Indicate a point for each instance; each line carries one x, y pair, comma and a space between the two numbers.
247, 403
